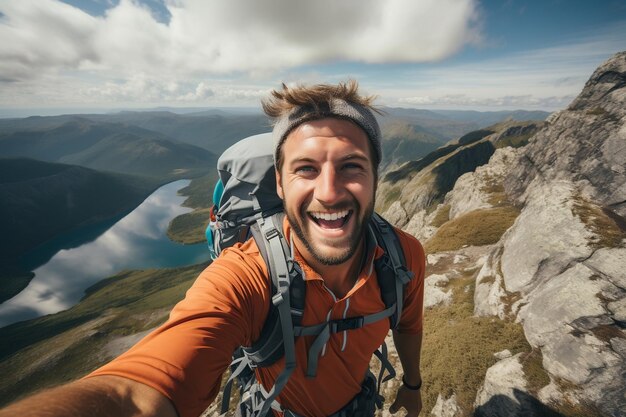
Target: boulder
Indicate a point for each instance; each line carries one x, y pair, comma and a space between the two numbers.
446, 408
489, 291
497, 395
545, 239
433, 294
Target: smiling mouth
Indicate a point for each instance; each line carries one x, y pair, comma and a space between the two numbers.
335, 220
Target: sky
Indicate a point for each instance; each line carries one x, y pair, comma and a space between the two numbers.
85, 55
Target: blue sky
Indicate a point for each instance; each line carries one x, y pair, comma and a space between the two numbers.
452, 54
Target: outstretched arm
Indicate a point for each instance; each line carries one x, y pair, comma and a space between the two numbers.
408, 347
98, 396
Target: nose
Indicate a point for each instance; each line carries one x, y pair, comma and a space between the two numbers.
328, 188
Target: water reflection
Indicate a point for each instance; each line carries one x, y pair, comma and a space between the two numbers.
137, 241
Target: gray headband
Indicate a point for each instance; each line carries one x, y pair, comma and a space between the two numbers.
337, 108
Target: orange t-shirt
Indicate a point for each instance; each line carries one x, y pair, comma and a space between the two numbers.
226, 307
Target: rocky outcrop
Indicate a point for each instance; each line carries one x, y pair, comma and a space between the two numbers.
421, 185
557, 276
483, 187
446, 407
559, 270
565, 255
584, 143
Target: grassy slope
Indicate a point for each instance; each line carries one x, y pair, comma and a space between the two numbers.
458, 347
65, 346
189, 228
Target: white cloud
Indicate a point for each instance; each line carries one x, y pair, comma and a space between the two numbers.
233, 52
151, 90
220, 37
547, 78
38, 35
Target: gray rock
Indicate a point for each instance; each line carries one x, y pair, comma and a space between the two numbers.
545, 239
488, 291
504, 393
434, 258
433, 294
503, 354
471, 191
619, 346
585, 142
420, 226
571, 291
618, 310
446, 408
496, 397
396, 214
561, 317
554, 306
611, 263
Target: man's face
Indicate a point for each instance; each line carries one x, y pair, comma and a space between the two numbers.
327, 183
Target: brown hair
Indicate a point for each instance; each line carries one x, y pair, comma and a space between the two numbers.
284, 101
316, 97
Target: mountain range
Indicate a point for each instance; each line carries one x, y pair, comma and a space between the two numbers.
107, 146
216, 130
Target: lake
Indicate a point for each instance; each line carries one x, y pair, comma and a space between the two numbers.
137, 241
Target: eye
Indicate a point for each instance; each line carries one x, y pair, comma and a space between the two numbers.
305, 170
352, 166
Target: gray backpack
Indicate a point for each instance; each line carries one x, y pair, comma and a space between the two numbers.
246, 205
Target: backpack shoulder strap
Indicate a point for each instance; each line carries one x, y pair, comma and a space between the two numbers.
269, 347
391, 270
277, 337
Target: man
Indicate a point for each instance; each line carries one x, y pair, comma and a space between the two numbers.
327, 151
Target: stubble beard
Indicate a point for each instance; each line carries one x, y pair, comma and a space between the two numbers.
355, 238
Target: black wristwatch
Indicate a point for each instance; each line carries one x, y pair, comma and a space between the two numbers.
411, 387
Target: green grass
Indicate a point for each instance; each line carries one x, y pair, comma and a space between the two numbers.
392, 195
596, 111
458, 347
199, 192
494, 187
189, 228
476, 228
536, 376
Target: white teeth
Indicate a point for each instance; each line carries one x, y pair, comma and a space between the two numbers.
330, 216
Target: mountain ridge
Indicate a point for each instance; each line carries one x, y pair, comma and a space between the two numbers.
553, 265
107, 146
